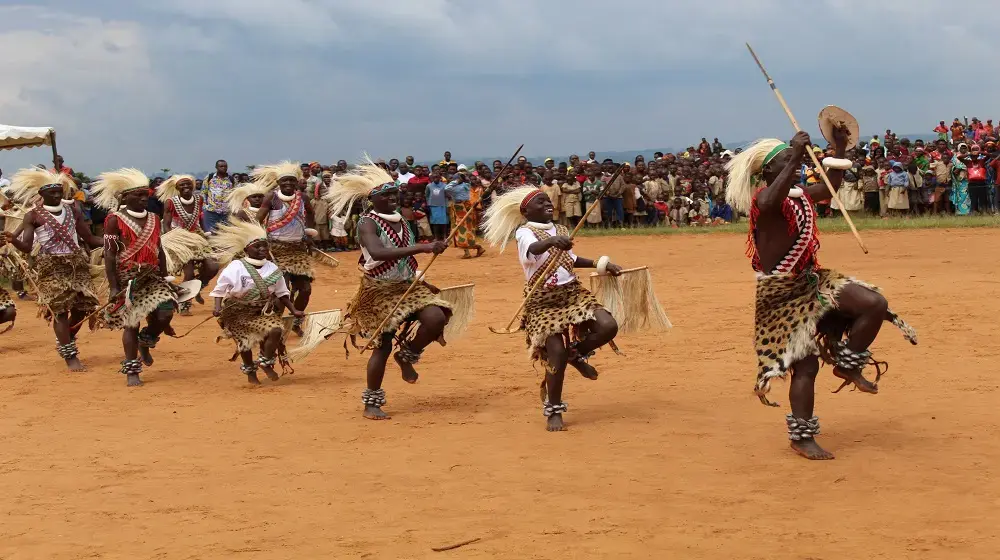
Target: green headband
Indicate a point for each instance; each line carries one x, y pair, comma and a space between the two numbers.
758, 176
773, 153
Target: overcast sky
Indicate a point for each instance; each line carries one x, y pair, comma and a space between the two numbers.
180, 83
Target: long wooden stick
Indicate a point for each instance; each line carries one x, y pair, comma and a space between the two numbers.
625, 270
327, 255
812, 156
550, 267
457, 545
454, 232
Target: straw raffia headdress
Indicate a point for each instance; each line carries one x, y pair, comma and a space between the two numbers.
26, 184
237, 197
233, 237
269, 175
112, 185
364, 180
745, 172
171, 187
504, 215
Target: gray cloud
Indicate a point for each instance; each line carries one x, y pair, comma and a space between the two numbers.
179, 83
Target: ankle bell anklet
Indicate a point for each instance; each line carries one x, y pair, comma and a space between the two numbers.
131, 367
147, 340
67, 351
576, 356
549, 409
799, 429
266, 362
407, 355
376, 397
847, 359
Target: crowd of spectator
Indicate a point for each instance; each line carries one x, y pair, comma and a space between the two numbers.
956, 174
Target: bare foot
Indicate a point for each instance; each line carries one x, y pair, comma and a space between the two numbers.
199, 299
857, 379
479, 252
375, 413
74, 364
147, 357
269, 372
555, 423
811, 450
132, 380
410, 374
252, 378
585, 369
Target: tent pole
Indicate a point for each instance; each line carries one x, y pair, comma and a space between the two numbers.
55, 154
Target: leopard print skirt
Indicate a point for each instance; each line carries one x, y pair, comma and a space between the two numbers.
64, 284
788, 311
5, 300
247, 324
556, 310
375, 298
292, 258
151, 293
9, 268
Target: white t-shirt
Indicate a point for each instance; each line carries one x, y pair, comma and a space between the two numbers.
405, 177
531, 263
4, 183
234, 281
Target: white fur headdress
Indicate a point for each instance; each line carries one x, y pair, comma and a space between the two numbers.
169, 188
503, 217
26, 184
233, 237
358, 183
269, 175
111, 185
744, 172
238, 196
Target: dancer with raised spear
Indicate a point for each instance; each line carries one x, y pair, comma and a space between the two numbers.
804, 312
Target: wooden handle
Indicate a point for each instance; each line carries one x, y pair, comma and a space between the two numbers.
327, 255
812, 156
624, 271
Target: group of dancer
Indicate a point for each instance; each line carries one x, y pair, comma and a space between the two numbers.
804, 313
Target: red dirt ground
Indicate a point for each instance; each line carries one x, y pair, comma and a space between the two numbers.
667, 455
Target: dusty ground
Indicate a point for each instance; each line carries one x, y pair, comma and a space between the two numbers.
668, 455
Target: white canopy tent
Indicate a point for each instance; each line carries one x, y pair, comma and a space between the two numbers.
17, 137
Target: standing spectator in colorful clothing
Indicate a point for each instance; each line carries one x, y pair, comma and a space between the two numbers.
437, 202
216, 188
942, 131
591, 192
551, 188
942, 179
957, 132
613, 206
975, 161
